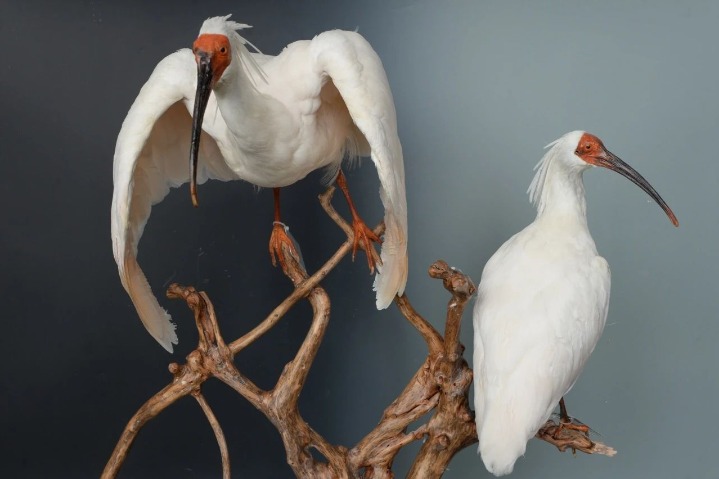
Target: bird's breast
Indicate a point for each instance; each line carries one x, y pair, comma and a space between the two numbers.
285, 161
295, 123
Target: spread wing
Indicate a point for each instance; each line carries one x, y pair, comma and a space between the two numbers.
151, 156
357, 73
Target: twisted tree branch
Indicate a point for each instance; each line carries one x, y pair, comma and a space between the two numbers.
441, 384
217, 429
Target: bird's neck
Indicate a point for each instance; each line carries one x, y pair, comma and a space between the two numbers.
562, 196
242, 105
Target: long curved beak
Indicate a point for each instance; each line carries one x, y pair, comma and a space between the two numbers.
202, 95
613, 162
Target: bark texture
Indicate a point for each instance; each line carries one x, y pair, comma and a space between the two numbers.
440, 385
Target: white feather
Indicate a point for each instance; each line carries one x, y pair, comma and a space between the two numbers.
357, 73
542, 167
273, 121
150, 158
541, 308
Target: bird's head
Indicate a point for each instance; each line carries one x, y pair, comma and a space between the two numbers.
213, 53
588, 150
214, 49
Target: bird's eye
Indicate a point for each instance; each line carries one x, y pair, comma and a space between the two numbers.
223, 50
587, 147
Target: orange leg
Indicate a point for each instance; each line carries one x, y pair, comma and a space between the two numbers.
363, 236
566, 422
279, 237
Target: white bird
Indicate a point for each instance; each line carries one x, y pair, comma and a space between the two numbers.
542, 304
270, 121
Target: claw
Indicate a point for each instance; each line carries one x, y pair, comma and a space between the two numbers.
578, 427
561, 431
363, 237
278, 239
571, 425
567, 422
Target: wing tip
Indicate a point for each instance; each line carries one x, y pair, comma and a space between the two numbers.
391, 278
167, 340
154, 317
161, 327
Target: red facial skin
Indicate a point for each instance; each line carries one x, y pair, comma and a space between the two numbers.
590, 149
218, 48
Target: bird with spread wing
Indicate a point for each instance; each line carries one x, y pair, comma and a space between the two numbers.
271, 121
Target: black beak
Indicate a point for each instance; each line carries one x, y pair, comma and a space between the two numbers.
613, 162
202, 95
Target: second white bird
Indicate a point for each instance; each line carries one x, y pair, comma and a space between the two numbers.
542, 303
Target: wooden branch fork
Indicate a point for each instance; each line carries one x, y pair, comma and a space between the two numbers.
441, 384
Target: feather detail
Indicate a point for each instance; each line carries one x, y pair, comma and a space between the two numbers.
266, 123
229, 28
357, 73
536, 187
149, 160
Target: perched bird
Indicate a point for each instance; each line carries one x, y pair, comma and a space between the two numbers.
270, 121
542, 304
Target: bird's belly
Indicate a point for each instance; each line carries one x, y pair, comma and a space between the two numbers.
282, 163
290, 140
276, 174
545, 329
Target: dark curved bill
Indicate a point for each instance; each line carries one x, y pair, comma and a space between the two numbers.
613, 162
202, 95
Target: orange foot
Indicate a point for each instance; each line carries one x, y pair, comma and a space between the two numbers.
566, 422
363, 236
569, 424
278, 239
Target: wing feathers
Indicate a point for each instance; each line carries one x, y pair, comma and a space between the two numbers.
150, 158
357, 73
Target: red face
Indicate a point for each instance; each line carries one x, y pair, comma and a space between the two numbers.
217, 47
590, 149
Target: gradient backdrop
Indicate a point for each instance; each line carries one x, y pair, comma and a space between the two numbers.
480, 88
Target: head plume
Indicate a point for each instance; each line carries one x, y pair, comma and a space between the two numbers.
225, 26
555, 148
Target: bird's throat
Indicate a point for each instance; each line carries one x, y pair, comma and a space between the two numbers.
563, 196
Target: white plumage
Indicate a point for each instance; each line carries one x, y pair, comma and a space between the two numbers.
541, 304
270, 121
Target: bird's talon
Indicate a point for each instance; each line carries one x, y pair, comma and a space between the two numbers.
363, 237
579, 427
567, 423
278, 239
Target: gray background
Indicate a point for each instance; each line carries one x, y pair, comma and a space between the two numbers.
480, 88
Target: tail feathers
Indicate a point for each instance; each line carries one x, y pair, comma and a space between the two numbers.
155, 319
391, 276
508, 423
500, 446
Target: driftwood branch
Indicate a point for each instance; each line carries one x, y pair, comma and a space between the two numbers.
217, 429
439, 389
565, 438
